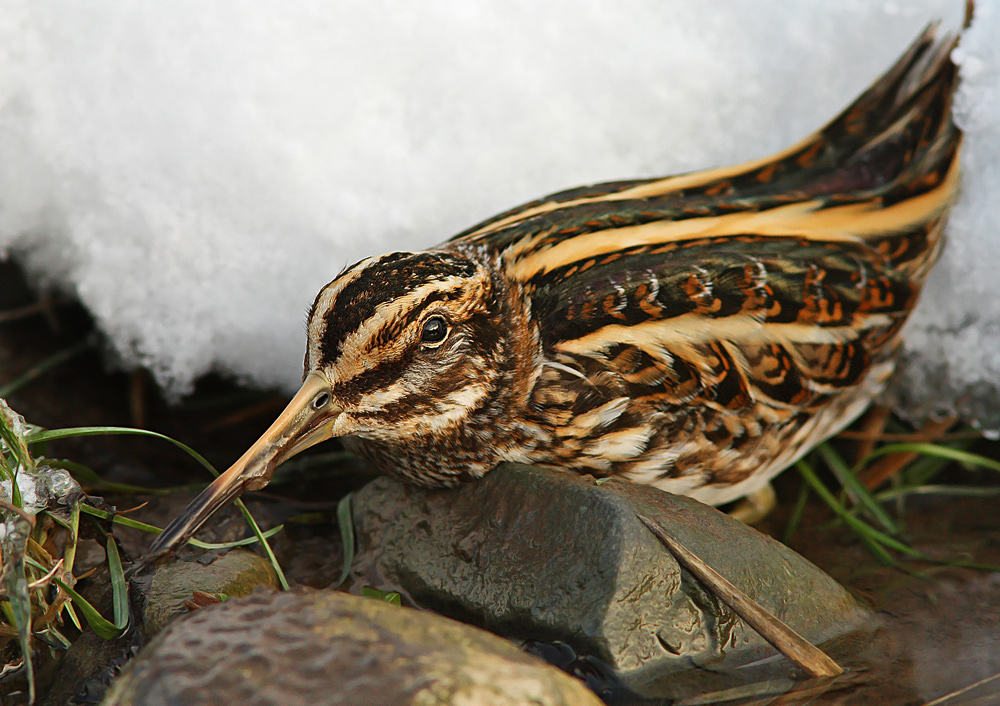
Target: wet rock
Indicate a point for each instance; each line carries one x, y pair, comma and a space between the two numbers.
540, 555
326, 648
86, 669
83, 673
169, 588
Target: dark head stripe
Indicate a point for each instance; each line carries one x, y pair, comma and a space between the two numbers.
384, 280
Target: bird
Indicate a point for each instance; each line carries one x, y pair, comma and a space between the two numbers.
698, 333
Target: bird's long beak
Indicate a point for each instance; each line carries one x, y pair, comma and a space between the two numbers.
303, 423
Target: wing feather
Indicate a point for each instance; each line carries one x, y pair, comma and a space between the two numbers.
746, 312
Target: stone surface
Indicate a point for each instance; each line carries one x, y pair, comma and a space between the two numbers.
323, 648
540, 555
167, 589
84, 671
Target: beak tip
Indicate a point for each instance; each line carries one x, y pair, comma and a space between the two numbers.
295, 429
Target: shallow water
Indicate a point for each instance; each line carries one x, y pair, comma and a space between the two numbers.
939, 638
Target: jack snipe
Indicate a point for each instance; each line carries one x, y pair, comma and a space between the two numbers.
698, 332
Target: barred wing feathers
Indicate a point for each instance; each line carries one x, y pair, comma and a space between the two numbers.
761, 300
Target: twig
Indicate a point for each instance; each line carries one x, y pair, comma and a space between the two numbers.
784, 639
265, 406
885, 468
909, 437
122, 513
45, 366
873, 425
940, 701
48, 577
21, 312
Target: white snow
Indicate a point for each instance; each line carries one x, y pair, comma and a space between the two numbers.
26, 487
195, 172
953, 340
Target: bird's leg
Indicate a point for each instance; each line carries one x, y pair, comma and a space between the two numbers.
756, 506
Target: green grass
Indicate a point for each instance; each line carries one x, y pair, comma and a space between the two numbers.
874, 515
40, 534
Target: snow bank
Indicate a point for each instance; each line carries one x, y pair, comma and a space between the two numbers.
195, 172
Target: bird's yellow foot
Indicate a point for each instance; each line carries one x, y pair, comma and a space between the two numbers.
756, 506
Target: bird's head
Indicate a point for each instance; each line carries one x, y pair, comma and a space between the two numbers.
397, 345
402, 349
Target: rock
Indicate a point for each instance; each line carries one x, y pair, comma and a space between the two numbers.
83, 673
171, 585
541, 555
86, 669
328, 648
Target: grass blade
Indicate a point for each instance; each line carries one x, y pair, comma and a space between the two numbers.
939, 450
237, 542
137, 524
43, 367
68, 606
782, 637
263, 542
98, 623
345, 521
119, 589
923, 469
796, 517
390, 597
858, 493
52, 435
60, 641
43, 435
866, 531
960, 491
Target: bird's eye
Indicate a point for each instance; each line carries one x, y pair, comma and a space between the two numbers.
434, 331
321, 400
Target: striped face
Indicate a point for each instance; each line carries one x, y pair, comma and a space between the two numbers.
404, 340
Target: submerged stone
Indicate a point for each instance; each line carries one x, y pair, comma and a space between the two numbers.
541, 555
319, 648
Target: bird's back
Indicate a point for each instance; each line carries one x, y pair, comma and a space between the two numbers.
702, 331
